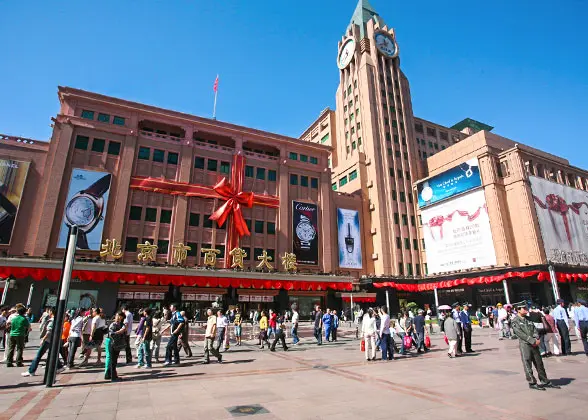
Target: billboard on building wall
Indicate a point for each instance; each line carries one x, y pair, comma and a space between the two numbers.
563, 219
454, 181
305, 232
86, 203
457, 234
349, 239
13, 175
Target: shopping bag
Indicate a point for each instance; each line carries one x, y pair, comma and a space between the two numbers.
427, 341
407, 341
446, 339
362, 346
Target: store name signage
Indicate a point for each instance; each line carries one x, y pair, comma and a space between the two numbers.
491, 290
582, 288
141, 296
568, 257
451, 290
249, 298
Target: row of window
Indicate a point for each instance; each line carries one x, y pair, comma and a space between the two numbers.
404, 219
415, 243
343, 181
304, 158
398, 154
98, 145
431, 131
105, 118
399, 173
409, 269
302, 180
158, 155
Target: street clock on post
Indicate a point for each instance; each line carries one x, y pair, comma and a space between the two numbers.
346, 53
386, 44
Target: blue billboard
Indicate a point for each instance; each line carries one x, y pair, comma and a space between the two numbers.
458, 180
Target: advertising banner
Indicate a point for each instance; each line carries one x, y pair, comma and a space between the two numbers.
305, 232
86, 203
457, 234
454, 181
349, 238
13, 175
563, 218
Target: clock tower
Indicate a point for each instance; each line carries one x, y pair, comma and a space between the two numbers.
375, 148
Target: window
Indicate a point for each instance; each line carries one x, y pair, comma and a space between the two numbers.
412, 221
212, 165
257, 253
407, 175
359, 141
410, 198
194, 219
352, 130
396, 219
162, 246
345, 121
114, 148
271, 175
353, 145
165, 216
248, 223
293, 156
221, 248
260, 174
346, 135
443, 135
343, 181
394, 123
431, 132
430, 145
199, 163
353, 175
293, 179
398, 242
396, 138
386, 121
345, 108
104, 118
135, 213
193, 249
249, 171
397, 153
89, 115
329, 162
351, 117
118, 120
259, 226
334, 186
357, 112
391, 170
325, 138
399, 172
401, 269
409, 269
415, 244
404, 220
271, 228
98, 145
314, 160
418, 269
388, 138
144, 153
358, 126
206, 222
355, 84
389, 151
406, 243
303, 158
158, 155
314, 183
82, 142
394, 195
405, 155
131, 244
303, 181
418, 128
150, 214
426, 269
172, 158
402, 197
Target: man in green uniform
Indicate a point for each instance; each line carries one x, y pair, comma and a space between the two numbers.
529, 341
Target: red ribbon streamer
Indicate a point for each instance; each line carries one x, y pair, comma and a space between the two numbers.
558, 204
437, 221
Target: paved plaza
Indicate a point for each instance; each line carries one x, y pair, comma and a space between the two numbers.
332, 381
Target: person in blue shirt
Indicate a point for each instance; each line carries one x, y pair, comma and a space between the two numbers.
562, 321
466, 326
327, 318
581, 320
335, 326
176, 326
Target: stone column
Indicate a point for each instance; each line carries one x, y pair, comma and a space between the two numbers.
327, 237
284, 224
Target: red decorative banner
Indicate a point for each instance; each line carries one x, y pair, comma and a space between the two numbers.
229, 191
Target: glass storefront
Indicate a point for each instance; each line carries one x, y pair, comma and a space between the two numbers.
306, 304
77, 299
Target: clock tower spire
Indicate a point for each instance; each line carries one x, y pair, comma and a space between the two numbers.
375, 149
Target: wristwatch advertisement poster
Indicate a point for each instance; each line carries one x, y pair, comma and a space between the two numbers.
305, 232
86, 204
13, 175
457, 180
349, 238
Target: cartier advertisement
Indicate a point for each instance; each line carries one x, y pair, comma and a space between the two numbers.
305, 232
85, 206
13, 174
349, 238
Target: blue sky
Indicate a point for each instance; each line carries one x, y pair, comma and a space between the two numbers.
520, 66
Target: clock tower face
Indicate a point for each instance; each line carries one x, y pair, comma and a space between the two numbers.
346, 53
386, 45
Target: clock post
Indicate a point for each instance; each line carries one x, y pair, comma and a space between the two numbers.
63, 293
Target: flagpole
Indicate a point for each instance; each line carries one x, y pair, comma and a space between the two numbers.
215, 95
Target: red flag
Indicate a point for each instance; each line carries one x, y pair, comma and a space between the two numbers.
215, 87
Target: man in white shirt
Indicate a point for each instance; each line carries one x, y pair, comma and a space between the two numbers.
295, 318
209, 336
502, 321
129, 326
385, 336
74, 339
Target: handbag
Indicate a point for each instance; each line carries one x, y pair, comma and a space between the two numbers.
407, 341
427, 341
362, 345
446, 339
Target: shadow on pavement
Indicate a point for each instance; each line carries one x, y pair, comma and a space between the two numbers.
563, 381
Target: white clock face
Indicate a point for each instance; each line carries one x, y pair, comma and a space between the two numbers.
346, 53
386, 45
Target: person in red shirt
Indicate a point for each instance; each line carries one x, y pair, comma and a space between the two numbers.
273, 323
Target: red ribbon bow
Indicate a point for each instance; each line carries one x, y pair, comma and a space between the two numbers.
233, 204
